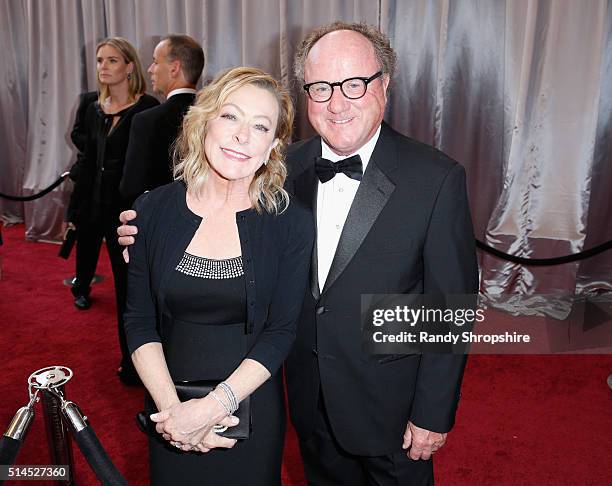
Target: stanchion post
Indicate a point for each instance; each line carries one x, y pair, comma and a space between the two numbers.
58, 437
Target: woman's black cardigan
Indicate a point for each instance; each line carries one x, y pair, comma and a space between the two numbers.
96, 189
276, 252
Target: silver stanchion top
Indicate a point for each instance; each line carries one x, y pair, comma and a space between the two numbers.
50, 377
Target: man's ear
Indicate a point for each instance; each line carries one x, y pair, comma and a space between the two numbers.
175, 68
386, 79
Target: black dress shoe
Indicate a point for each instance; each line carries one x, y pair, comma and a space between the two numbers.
82, 302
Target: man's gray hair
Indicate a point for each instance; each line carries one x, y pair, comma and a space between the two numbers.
380, 42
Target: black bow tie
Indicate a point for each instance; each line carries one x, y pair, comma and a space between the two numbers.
326, 169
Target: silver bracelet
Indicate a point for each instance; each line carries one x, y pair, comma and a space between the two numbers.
233, 402
223, 404
232, 394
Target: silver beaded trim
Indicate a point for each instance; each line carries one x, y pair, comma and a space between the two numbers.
197, 266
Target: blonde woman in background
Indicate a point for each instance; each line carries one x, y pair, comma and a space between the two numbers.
96, 203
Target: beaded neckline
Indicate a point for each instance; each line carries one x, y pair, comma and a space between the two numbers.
198, 266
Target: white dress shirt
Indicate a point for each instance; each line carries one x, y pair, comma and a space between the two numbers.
181, 91
334, 199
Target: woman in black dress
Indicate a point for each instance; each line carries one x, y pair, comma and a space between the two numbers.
95, 203
216, 281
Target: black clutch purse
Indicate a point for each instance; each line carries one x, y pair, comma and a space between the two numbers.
70, 237
199, 389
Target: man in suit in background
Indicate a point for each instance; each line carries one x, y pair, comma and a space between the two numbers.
178, 61
392, 218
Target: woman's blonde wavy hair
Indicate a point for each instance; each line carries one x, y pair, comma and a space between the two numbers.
190, 163
137, 85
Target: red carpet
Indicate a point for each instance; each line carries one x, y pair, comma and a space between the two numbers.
523, 420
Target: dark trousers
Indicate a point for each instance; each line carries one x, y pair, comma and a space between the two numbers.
89, 240
327, 464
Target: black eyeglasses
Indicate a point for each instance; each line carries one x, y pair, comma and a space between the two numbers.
352, 88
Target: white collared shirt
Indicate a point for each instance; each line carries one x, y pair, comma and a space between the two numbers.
181, 91
334, 199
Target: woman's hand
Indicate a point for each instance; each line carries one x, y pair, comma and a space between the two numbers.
212, 441
188, 425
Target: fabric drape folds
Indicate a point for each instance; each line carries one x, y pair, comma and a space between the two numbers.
517, 91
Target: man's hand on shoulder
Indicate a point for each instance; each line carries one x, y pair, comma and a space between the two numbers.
126, 232
422, 442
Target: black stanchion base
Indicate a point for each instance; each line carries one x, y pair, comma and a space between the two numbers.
69, 282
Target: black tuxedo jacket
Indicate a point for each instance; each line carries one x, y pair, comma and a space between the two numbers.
148, 163
408, 231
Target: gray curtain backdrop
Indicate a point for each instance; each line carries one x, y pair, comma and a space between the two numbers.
517, 91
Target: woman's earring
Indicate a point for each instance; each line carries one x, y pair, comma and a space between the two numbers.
129, 76
267, 159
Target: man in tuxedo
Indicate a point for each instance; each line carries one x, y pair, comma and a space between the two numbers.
178, 61
392, 218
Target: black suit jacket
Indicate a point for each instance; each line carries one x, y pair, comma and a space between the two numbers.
408, 231
148, 163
